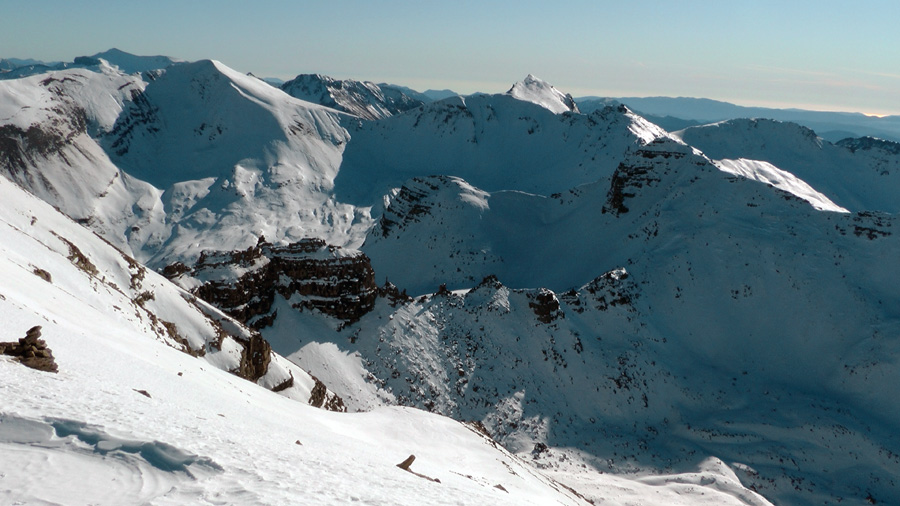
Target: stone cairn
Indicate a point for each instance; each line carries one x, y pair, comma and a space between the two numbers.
31, 351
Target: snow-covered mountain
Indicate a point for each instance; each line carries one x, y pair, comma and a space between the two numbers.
538, 91
364, 99
496, 142
201, 157
686, 111
142, 410
859, 175
14, 68
50, 125
684, 259
693, 318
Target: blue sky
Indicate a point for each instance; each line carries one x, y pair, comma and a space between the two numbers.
827, 55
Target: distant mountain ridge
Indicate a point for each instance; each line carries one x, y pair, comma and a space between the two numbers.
832, 126
363, 99
128, 63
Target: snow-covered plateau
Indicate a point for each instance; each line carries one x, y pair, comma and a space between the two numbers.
249, 294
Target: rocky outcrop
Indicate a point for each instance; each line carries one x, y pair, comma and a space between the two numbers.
320, 397
309, 273
644, 168
410, 202
360, 98
255, 358
869, 144
21, 148
610, 290
545, 305
139, 117
31, 351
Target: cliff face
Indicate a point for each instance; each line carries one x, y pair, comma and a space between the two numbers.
308, 273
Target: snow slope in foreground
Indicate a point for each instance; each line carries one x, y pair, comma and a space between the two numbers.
130, 419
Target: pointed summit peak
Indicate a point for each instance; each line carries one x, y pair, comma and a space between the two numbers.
536, 90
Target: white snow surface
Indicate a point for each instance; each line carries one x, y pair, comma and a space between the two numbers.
96, 286
495, 142
201, 157
765, 172
537, 91
858, 180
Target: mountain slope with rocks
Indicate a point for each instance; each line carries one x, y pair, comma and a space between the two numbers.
496, 142
365, 100
860, 175
701, 317
150, 402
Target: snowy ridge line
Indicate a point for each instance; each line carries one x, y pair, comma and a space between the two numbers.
767, 173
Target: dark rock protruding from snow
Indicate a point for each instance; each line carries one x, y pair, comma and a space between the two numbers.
545, 305
309, 273
31, 351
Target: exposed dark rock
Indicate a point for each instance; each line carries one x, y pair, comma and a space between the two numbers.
255, 357
364, 99
612, 289
319, 398
31, 351
310, 273
407, 462
393, 294
871, 225
869, 144
41, 273
490, 281
545, 305
405, 465
78, 258
20, 148
139, 118
640, 170
409, 203
175, 270
479, 426
284, 385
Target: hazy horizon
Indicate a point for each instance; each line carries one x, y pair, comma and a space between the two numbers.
825, 55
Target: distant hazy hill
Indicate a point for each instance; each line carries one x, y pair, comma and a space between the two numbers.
682, 112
